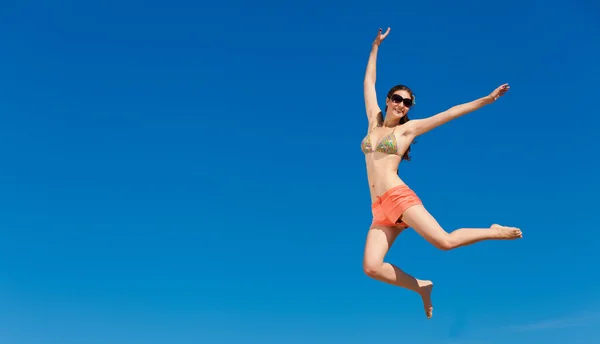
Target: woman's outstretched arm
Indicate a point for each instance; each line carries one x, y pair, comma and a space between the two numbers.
372, 107
418, 127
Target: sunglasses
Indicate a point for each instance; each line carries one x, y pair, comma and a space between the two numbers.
399, 99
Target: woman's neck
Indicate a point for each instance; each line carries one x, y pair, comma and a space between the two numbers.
391, 122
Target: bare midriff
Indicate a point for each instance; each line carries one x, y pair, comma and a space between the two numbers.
382, 173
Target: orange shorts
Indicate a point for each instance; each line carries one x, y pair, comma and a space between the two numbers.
389, 207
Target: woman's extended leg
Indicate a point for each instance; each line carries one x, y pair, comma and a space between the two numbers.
379, 241
426, 225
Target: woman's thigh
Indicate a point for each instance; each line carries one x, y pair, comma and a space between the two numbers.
379, 240
419, 219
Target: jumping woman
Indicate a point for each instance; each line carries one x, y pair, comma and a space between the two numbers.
395, 206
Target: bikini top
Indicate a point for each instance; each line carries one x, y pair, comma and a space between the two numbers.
387, 144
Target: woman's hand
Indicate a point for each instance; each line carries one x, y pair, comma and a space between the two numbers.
380, 37
498, 92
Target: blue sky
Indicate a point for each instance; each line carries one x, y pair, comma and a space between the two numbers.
185, 173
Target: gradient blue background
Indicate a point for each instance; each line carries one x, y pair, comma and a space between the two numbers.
189, 172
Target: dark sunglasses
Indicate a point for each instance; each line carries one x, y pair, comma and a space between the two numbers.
399, 99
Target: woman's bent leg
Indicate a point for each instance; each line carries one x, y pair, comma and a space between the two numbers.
379, 241
426, 225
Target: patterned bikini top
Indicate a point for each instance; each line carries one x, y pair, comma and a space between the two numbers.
387, 144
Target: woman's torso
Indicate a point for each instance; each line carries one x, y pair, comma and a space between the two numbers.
383, 148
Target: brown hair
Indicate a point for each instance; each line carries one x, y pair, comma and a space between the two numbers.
405, 118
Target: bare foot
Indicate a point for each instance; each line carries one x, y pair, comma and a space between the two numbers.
504, 232
425, 291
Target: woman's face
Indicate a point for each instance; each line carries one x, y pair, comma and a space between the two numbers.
399, 104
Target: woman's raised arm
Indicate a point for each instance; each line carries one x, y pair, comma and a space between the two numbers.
372, 107
418, 127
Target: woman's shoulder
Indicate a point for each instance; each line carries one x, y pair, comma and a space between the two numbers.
376, 121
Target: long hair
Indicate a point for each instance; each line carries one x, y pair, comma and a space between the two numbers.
405, 118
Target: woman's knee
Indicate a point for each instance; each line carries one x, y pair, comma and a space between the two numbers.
444, 244
372, 267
